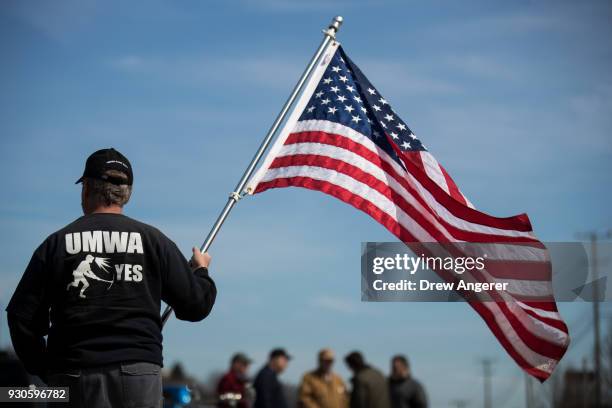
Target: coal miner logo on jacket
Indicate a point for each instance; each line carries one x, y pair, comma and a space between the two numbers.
103, 242
83, 271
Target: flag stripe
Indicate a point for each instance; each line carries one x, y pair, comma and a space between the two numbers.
452, 187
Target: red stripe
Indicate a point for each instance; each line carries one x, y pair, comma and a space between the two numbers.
342, 194
416, 158
452, 187
559, 324
517, 223
522, 270
546, 306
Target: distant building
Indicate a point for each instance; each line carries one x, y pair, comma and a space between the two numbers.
579, 390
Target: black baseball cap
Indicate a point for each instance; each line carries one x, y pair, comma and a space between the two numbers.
108, 159
278, 352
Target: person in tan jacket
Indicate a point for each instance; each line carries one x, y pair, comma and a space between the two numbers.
322, 388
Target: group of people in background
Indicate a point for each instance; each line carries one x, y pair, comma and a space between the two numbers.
321, 387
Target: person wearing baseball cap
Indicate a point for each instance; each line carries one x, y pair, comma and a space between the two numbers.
234, 389
95, 287
370, 387
268, 389
322, 387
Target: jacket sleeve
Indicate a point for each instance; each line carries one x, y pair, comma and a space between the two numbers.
28, 315
359, 394
344, 400
191, 294
222, 386
305, 394
264, 392
29, 343
420, 397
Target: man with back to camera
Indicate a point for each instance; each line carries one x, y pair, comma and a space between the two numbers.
95, 288
269, 391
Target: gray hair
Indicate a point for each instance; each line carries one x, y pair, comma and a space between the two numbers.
107, 194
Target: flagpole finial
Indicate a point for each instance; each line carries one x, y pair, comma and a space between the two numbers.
334, 27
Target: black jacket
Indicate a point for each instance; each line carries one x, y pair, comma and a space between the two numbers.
407, 393
95, 287
269, 391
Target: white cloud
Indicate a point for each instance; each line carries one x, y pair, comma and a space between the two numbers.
335, 304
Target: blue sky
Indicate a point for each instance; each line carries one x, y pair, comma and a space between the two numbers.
514, 98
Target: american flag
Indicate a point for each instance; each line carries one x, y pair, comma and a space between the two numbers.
345, 140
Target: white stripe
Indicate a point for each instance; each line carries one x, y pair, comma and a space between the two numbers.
468, 202
432, 168
356, 187
434, 171
541, 312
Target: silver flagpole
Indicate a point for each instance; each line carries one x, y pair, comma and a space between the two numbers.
329, 36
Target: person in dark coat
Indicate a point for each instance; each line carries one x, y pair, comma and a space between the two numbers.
405, 391
85, 314
268, 389
370, 389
